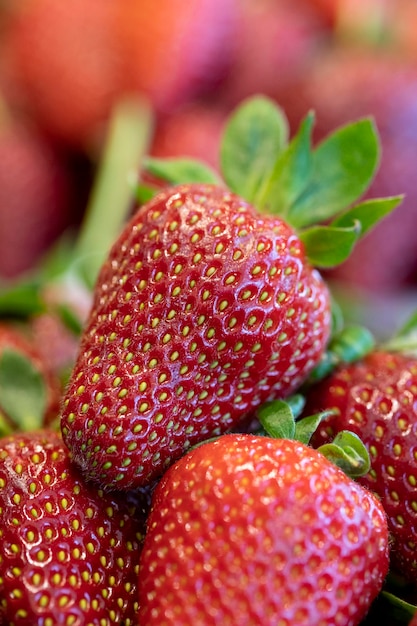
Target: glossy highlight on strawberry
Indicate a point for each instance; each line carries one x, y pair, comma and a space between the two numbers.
204, 309
253, 530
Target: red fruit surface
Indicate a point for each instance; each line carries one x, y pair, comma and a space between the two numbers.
69, 552
253, 530
13, 339
176, 49
203, 310
35, 198
342, 85
193, 131
376, 399
67, 65
274, 42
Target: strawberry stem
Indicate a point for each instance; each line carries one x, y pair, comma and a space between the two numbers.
112, 195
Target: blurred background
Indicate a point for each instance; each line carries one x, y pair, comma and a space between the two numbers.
66, 66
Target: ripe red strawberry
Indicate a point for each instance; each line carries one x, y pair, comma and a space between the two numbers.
66, 65
203, 310
69, 553
192, 131
376, 398
274, 42
254, 530
35, 197
206, 307
30, 392
175, 50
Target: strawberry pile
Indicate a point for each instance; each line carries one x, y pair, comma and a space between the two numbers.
193, 476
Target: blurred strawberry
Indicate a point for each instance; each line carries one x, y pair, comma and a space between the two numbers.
67, 65
343, 84
177, 49
34, 197
192, 131
275, 39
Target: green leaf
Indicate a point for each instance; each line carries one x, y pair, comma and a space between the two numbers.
352, 344
22, 390
254, 135
177, 171
348, 452
290, 174
277, 419
368, 213
307, 426
328, 246
21, 299
144, 193
405, 338
344, 164
398, 608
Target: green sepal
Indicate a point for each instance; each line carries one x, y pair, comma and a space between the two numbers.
307, 426
328, 246
290, 174
405, 338
21, 299
177, 171
145, 193
344, 165
277, 419
23, 394
398, 608
348, 452
368, 213
254, 135
350, 344
6, 427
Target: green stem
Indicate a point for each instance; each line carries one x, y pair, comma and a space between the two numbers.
112, 195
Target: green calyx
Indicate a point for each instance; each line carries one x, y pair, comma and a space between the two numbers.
314, 189
23, 394
280, 419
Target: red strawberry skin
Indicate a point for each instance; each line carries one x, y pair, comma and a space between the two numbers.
35, 198
376, 398
69, 552
253, 530
203, 310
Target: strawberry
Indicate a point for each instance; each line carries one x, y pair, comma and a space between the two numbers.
206, 307
35, 196
193, 131
176, 50
255, 530
69, 553
274, 42
71, 90
375, 397
30, 392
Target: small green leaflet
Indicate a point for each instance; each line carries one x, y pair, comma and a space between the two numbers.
348, 452
328, 246
344, 164
177, 171
254, 135
291, 173
368, 213
405, 339
277, 419
22, 390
